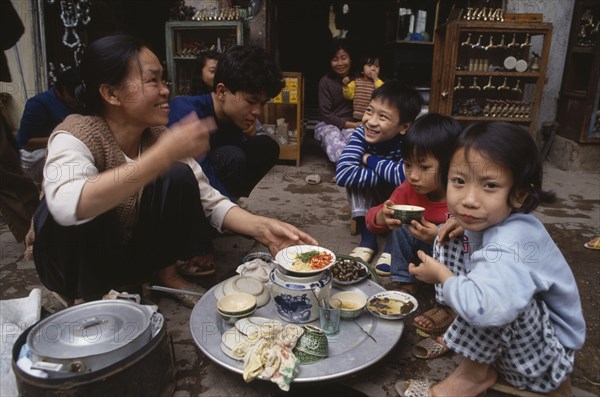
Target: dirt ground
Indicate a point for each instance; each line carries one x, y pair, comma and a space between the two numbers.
585, 264
571, 221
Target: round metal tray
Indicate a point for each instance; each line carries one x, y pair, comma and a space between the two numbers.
350, 350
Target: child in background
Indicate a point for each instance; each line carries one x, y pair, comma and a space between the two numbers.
424, 148
360, 90
518, 309
370, 166
203, 75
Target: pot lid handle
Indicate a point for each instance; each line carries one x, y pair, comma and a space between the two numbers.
90, 322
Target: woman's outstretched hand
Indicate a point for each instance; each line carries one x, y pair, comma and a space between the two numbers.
187, 138
277, 235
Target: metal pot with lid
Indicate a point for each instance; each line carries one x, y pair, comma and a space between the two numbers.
88, 337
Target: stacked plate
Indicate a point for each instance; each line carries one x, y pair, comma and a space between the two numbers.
245, 284
236, 306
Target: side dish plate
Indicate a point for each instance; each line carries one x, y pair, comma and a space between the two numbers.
359, 272
392, 305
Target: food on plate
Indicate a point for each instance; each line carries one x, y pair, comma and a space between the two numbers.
347, 270
390, 307
311, 260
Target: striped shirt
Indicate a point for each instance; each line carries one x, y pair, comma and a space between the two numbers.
385, 164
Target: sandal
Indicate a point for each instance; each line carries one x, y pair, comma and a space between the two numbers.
414, 387
197, 266
363, 253
383, 266
593, 244
429, 348
440, 317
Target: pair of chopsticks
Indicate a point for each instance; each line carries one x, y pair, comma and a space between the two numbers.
175, 290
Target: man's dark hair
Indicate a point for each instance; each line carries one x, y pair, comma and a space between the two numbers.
68, 80
250, 70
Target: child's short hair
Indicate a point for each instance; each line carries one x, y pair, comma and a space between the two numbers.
369, 60
432, 134
511, 146
404, 98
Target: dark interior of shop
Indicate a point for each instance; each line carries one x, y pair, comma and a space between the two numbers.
302, 28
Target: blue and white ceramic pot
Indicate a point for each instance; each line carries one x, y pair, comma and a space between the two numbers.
295, 297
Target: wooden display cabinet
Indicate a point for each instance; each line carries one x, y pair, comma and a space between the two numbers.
486, 70
578, 113
185, 40
288, 108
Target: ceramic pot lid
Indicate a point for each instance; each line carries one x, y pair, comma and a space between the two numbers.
89, 329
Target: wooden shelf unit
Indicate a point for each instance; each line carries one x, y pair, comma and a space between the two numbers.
466, 76
578, 112
184, 40
289, 106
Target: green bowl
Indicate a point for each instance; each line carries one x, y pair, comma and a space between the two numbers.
313, 342
407, 213
306, 358
353, 303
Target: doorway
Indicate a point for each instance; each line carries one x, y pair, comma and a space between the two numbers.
303, 34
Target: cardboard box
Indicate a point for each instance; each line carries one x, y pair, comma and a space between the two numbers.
293, 96
291, 83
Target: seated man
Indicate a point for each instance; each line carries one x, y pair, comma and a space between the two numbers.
245, 80
42, 113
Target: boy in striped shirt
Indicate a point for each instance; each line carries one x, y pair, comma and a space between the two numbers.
370, 166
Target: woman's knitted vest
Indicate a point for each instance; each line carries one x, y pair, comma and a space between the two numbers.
362, 96
97, 136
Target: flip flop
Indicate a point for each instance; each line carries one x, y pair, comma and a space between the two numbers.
363, 253
192, 267
428, 349
440, 317
414, 387
383, 267
593, 244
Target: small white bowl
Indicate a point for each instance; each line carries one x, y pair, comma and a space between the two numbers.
232, 319
236, 304
353, 303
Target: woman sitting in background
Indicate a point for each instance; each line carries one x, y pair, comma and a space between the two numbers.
336, 111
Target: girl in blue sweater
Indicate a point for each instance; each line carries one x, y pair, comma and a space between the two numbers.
518, 309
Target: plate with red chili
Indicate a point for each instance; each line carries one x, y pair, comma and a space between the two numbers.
305, 259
